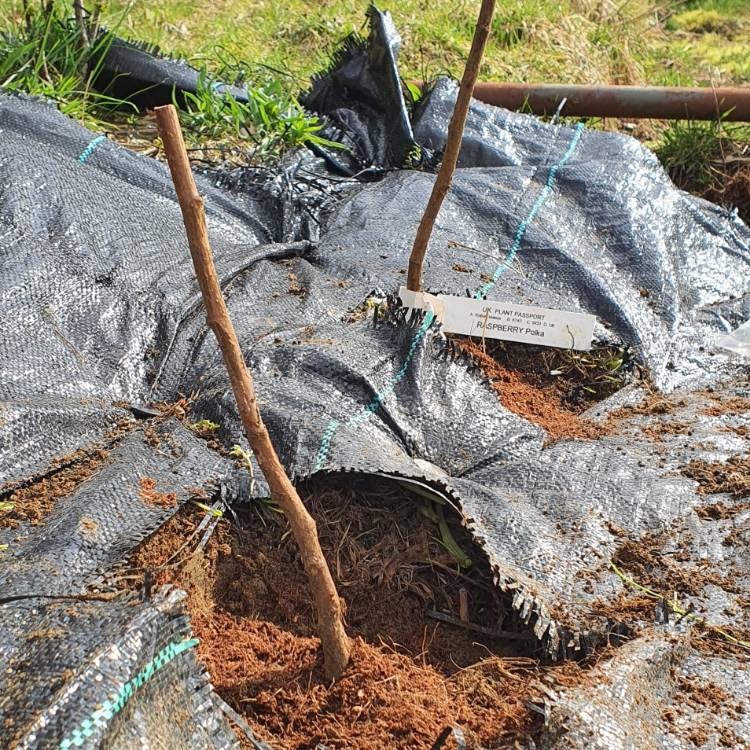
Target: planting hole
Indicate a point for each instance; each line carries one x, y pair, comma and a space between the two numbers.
435, 642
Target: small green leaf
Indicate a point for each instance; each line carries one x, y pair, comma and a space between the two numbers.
414, 91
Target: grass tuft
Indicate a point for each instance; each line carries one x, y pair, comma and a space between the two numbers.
711, 160
701, 21
43, 53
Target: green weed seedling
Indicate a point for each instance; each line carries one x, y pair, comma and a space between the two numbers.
208, 509
433, 511
204, 425
272, 118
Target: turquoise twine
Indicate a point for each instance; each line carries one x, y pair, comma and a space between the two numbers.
377, 399
90, 148
524, 225
372, 407
115, 704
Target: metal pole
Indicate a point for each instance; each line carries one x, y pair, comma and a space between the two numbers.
661, 103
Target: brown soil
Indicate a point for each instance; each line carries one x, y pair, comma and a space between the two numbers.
645, 562
705, 701
706, 694
148, 493
738, 536
410, 676
32, 503
658, 431
534, 397
626, 608
714, 477
653, 404
733, 405
718, 511
707, 641
33, 499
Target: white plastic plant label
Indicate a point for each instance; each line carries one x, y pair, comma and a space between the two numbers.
506, 321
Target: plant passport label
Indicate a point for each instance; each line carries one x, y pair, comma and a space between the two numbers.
503, 320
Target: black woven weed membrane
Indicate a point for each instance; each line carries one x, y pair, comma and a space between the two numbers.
101, 316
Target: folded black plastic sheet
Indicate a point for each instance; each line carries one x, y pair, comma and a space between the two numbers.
362, 104
87, 673
359, 95
106, 517
146, 79
98, 308
655, 692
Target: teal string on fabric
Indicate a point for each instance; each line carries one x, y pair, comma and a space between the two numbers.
90, 148
325, 444
115, 703
524, 225
377, 399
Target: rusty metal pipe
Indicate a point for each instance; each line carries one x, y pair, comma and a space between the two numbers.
661, 103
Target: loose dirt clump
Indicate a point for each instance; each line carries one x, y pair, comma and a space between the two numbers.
706, 694
625, 608
719, 511
539, 399
733, 405
32, 503
658, 431
741, 430
704, 702
706, 640
715, 477
654, 404
410, 677
32, 500
645, 562
148, 493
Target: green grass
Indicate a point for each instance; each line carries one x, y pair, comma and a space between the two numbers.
726, 7
43, 53
276, 47
575, 41
707, 42
272, 119
710, 159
